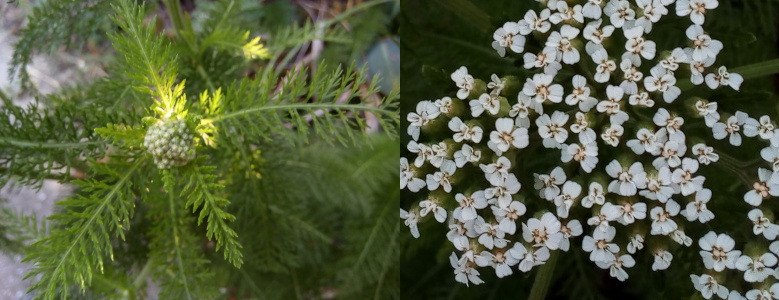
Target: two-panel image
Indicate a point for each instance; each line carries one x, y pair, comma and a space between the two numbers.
246, 149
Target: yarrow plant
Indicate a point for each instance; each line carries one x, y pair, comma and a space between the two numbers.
611, 106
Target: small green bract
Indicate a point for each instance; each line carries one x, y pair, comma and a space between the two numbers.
170, 143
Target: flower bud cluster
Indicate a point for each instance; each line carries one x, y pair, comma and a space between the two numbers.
170, 143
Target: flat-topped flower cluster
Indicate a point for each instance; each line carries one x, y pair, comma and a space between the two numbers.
600, 95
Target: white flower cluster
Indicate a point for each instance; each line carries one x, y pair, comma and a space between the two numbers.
653, 176
170, 143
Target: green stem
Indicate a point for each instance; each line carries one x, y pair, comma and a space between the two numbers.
295, 106
183, 29
30, 144
544, 278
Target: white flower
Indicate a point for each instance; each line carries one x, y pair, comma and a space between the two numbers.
697, 209
542, 89
544, 232
671, 63
703, 45
592, 9
612, 134
637, 45
605, 65
442, 177
488, 102
465, 155
508, 37
698, 67
724, 78
631, 75
507, 135
599, 221
407, 178
706, 154
499, 260
463, 132
463, 272
626, 181
533, 257
422, 151
426, 111
503, 188
763, 225
695, 8
641, 99
595, 34
599, 245
497, 170
619, 12
663, 259
439, 153
653, 11
672, 124
731, 127
636, 243
468, 206
560, 43
533, 21
490, 235
459, 233
758, 294
611, 106
708, 111
585, 153
581, 94
550, 65
565, 13
757, 269
552, 129
580, 124
708, 286
507, 216
595, 195
764, 128
464, 81
662, 223
521, 110
548, 186
616, 264
680, 237
717, 251
768, 184
645, 141
571, 229
565, 200
625, 214
428, 206
657, 187
496, 84
410, 219
684, 177
735, 295
445, 105
663, 81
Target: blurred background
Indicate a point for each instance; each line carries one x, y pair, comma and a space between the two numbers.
440, 36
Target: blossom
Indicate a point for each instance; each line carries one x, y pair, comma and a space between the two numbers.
698, 67
565, 13
585, 153
422, 151
683, 176
605, 65
581, 94
490, 234
637, 45
463, 132
592, 9
708, 286
532, 21
595, 195
571, 229
552, 129
529, 257
508, 37
548, 186
764, 128
499, 168
724, 78
444, 105
663, 81
756, 269
771, 155
663, 259
695, 8
543, 232
626, 181
717, 251
468, 205
631, 75
611, 106
464, 81
612, 134
672, 61
625, 214
560, 43
657, 187
680, 237
762, 225
428, 206
662, 223
565, 200
540, 87
407, 178
619, 12
426, 111
704, 46
503, 188
442, 177
616, 264
410, 219
653, 10
636, 243
731, 127
542, 60
507, 135
767, 184
464, 272
708, 110
705, 153
594, 33
697, 210
466, 154
645, 141
507, 216
439, 153
486, 102
599, 245
499, 260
